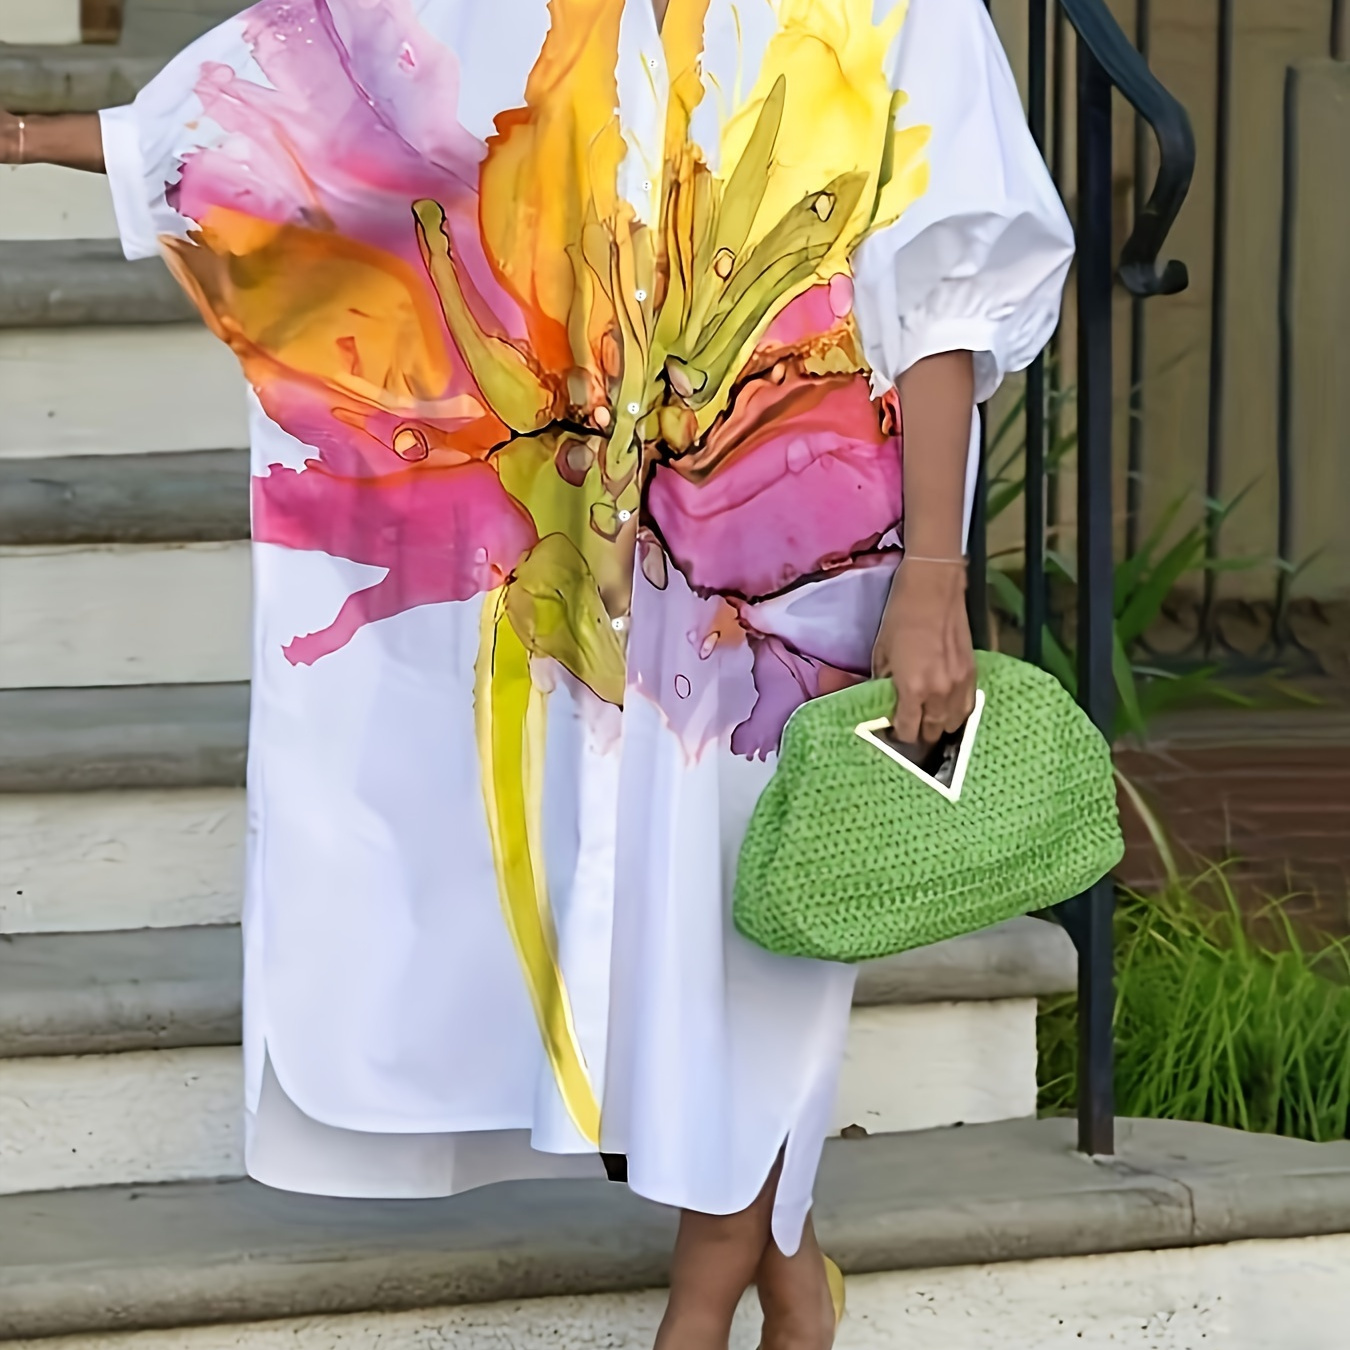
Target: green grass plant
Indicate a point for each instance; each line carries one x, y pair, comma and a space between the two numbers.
1222, 1016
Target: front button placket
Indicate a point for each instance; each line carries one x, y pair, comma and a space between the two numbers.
642, 82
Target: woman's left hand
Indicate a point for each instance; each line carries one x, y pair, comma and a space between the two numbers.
924, 646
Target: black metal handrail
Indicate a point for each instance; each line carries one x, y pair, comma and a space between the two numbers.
1129, 73
1106, 60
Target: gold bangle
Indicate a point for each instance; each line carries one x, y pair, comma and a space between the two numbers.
917, 557
23, 127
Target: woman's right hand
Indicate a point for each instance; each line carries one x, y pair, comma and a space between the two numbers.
924, 646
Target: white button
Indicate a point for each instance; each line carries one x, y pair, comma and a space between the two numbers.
634, 408
640, 295
625, 514
616, 625
651, 61
646, 185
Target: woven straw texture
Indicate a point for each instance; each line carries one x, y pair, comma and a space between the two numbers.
849, 856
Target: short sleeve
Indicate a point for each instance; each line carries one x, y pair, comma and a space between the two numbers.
145, 142
978, 262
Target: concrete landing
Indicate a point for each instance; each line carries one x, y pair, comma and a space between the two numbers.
124, 1258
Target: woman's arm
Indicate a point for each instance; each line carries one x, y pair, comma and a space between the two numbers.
74, 140
924, 644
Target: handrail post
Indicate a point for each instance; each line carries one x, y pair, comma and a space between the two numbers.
1092, 912
1034, 604
1106, 58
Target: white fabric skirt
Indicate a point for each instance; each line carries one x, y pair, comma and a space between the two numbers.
718, 1057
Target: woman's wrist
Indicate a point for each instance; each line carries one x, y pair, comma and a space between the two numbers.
956, 561
74, 140
13, 138
922, 587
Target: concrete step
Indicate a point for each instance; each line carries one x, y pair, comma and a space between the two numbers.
69, 283
112, 1071
94, 861
40, 21
45, 79
96, 993
116, 802
124, 614
168, 25
64, 740
131, 858
41, 201
159, 1116
103, 1120
118, 390
166, 498
151, 25
124, 569
1132, 1301
39, 77
922, 1223
36, 76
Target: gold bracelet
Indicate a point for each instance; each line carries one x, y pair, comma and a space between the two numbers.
917, 557
23, 127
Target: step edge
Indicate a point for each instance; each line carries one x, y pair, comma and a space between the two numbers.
86, 283
171, 497
1031, 959
120, 1019
212, 767
74, 1016
122, 736
82, 78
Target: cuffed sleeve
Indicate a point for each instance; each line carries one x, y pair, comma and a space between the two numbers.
126, 176
145, 142
978, 262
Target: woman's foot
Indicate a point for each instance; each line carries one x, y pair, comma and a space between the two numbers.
795, 1295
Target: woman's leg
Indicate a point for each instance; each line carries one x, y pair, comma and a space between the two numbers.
717, 1258
715, 1262
794, 1294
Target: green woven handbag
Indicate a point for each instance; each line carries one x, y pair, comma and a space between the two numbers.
853, 853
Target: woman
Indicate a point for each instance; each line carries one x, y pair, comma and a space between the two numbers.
580, 339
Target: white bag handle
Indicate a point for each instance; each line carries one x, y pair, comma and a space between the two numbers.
868, 732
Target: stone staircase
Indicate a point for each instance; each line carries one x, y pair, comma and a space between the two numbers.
995, 1237
124, 1218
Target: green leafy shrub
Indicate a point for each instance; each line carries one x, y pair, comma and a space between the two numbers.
1220, 1018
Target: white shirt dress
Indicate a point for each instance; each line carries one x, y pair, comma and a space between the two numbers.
576, 456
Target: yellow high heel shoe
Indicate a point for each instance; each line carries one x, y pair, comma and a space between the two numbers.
835, 1277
